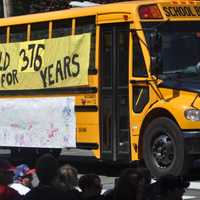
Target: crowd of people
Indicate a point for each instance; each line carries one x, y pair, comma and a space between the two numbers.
62, 183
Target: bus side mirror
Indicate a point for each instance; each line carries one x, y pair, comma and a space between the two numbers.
156, 65
155, 43
155, 47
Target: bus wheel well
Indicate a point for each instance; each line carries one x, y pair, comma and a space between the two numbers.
150, 117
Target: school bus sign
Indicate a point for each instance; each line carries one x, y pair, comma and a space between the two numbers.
48, 63
181, 11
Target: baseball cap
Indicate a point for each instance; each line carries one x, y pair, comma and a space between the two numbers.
22, 171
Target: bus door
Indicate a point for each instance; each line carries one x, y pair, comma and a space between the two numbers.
114, 113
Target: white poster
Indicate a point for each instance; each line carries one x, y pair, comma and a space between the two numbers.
38, 122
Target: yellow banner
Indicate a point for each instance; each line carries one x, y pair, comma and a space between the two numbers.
50, 63
181, 11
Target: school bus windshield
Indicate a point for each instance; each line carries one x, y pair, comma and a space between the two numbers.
179, 49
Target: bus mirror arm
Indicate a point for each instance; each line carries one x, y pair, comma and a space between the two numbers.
153, 49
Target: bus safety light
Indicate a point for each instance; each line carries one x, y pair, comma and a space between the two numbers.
150, 12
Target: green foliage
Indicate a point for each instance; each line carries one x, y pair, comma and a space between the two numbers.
21, 7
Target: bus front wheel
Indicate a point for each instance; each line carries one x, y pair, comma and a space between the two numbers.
163, 148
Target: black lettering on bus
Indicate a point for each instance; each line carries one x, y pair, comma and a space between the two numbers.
6, 61
176, 11
75, 63
51, 81
197, 9
182, 11
9, 78
35, 59
25, 60
43, 74
14, 74
167, 13
67, 71
171, 10
1, 60
189, 11
3, 77
59, 72
38, 58
32, 48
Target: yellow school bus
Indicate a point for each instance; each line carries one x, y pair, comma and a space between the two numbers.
140, 99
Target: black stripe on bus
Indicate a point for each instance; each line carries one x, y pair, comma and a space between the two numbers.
81, 90
88, 146
86, 108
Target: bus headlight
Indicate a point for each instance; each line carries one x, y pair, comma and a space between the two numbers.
192, 114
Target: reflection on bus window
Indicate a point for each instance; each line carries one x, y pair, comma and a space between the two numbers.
87, 25
18, 33
3, 34
39, 31
62, 28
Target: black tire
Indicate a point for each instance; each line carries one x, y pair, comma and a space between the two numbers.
163, 148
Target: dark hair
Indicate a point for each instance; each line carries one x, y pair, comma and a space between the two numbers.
127, 184
88, 180
46, 168
67, 177
170, 182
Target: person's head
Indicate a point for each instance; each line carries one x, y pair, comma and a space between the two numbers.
145, 174
172, 187
67, 177
90, 184
6, 172
46, 169
129, 183
24, 175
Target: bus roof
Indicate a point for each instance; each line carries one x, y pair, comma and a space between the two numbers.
129, 6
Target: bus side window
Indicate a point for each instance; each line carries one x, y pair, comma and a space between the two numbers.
139, 67
87, 25
18, 33
39, 31
62, 28
3, 31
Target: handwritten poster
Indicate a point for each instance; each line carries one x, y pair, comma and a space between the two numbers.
38, 122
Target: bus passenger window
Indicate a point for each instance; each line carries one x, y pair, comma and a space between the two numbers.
62, 28
139, 67
18, 33
87, 25
39, 31
3, 34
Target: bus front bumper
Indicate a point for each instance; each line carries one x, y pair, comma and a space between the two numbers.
192, 142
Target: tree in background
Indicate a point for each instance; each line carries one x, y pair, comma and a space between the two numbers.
21, 7
7, 8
